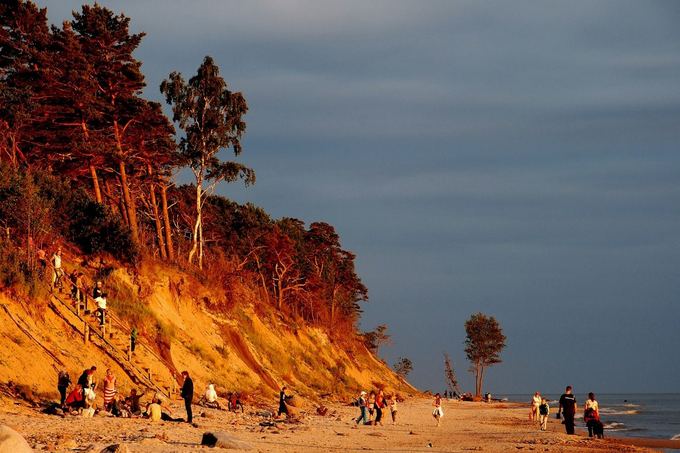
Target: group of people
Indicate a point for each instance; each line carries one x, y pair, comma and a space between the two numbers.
76, 278
372, 407
81, 399
540, 410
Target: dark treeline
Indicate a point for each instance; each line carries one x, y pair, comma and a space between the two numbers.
86, 158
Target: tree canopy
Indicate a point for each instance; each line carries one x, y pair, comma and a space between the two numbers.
483, 345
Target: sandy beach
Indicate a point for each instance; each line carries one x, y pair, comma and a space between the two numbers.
495, 427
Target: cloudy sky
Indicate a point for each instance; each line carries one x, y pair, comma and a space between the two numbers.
516, 158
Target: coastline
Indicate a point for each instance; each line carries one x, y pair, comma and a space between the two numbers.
495, 427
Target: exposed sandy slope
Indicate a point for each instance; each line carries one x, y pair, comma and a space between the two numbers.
465, 427
244, 348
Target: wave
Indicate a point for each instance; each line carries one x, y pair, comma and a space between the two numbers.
631, 405
614, 425
608, 411
676, 437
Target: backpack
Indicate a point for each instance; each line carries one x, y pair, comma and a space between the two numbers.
543, 409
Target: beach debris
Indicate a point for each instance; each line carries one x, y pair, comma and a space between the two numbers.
266, 414
429, 445
220, 439
411, 433
116, 448
12, 442
376, 434
322, 411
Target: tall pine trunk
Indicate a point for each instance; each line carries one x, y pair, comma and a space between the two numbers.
129, 202
156, 216
95, 184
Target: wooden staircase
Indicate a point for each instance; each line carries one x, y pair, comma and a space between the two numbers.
114, 340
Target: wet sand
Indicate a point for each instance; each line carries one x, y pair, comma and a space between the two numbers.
494, 427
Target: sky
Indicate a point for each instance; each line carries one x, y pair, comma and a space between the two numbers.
520, 159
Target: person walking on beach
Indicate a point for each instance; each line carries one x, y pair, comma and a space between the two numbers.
568, 408
591, 415
361, 402
188, 395
283, 408
63, 382
535, 402
438, 412
370, 405
543, 412
380, 404
393, 408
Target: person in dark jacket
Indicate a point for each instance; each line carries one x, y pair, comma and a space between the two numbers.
62, 385
283, 409
86, 381
568, 409
187, 394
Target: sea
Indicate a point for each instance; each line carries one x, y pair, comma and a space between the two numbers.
655, 415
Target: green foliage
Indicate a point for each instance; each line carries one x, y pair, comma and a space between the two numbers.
483, 345
94, 228
376, 338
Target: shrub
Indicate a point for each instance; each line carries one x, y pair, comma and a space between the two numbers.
94, 228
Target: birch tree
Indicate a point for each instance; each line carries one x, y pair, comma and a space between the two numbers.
211, 117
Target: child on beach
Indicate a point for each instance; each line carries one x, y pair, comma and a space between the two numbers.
438, 412
393, 408
543, 412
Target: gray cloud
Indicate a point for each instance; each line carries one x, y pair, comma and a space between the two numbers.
518, 158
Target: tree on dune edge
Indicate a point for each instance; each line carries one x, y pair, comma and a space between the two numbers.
483, 345
211, 117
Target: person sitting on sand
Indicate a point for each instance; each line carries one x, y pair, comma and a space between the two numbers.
154, 412
234, 402
438, 412
210, 398
132, 402
393, 408
533, 410
543, 412
591, 415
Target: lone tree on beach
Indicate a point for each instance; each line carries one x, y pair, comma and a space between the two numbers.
212, 119
483, 345
451, 378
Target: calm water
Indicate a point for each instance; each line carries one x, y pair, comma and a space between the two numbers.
629, 415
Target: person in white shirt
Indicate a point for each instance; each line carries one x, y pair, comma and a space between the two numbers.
535, 402
101, 308
56, 268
